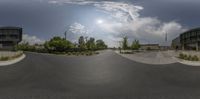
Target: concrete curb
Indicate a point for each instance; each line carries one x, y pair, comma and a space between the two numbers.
10, 62
185, 62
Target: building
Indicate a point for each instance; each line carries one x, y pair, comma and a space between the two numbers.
176, 44
149, 47
189, 40
9, 37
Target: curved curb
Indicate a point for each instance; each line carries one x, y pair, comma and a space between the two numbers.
185, 62
10, 62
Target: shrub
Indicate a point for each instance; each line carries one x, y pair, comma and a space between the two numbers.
188, 57
73, 53
195, 58
4, 58
17, 55
181, 56
96, 52
82, 53
69, 53
77, 54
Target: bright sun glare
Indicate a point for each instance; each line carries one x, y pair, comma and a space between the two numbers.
99, 21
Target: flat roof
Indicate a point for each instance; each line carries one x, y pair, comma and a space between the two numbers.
191, 30
149, 44
10, 27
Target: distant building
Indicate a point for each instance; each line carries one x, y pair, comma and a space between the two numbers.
189, 40
176, 43
149, 47
9, 37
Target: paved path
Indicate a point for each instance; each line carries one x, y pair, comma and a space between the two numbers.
152, 57
105, 76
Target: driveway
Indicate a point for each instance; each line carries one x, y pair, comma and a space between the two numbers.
153, 57
104, 76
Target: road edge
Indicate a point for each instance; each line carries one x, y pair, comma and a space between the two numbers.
185, 62
10, 62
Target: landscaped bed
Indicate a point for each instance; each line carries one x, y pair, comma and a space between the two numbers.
5, 56
188, 57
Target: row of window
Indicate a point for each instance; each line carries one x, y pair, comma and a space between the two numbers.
9, 36
9, 31
189, 34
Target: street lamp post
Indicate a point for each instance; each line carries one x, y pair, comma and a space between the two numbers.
65, 35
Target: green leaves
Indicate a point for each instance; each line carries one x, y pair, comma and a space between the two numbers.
125, 43
58, 44
135, 45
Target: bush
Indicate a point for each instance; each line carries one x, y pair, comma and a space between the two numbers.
4, 58
96, 52
195, 58
73, 53
77, 54
82, 53
17, 55
69, 53
188, 57
181, 56
90, 53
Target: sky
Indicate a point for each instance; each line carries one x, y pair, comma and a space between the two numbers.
145, 20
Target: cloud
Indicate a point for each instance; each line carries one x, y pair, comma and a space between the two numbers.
32, 39
125, 20
76, 30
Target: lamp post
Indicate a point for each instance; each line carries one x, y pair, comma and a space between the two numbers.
65, 35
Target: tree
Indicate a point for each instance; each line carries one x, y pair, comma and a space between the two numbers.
91, 44
125, 43
58, 44
100, 44
25, 46
135, 45
81, 42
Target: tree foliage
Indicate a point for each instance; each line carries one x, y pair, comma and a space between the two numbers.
135, 45
100, 44
25, 46
58, 44
81, 43
125, 43
91, 44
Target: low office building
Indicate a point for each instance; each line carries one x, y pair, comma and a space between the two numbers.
149, 47
176, 44
9, 37
189, 40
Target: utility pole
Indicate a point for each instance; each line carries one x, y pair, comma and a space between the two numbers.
65, 35
165, 37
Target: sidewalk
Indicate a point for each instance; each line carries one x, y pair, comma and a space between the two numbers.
156, 58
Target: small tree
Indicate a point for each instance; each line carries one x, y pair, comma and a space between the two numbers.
25, 46
100, 44
81, 42
58, 44
91, 44
135, 45
125, 43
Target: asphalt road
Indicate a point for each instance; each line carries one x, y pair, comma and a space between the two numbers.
104, 76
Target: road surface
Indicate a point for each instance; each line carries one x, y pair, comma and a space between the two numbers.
103, 76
